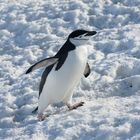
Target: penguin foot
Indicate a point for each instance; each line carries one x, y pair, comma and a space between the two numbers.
41, 117
75, 106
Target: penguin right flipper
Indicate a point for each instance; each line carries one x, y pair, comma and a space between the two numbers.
45, 62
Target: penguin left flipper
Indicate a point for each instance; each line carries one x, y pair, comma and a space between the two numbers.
45, 62
87, 70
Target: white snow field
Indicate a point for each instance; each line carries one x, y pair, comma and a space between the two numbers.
31, 30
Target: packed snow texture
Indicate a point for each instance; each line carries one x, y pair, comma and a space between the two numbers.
31, 30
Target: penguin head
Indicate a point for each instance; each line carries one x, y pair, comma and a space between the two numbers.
80, 37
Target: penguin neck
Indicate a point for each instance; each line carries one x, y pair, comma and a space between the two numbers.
68, 46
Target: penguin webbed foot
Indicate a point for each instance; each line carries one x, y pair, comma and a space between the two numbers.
41, 117
75, 106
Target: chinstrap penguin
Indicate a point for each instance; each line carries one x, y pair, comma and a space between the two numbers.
63, 72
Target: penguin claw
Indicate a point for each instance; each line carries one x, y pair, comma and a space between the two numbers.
42, 117
75, 106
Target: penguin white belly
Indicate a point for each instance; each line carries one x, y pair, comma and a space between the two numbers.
59, 83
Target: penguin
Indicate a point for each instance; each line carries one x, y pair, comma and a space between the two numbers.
63, 72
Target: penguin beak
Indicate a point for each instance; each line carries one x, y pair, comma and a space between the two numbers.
91, 33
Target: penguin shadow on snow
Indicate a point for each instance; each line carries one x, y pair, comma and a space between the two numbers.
21, 114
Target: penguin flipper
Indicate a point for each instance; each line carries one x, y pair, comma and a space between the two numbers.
45, 62
87, 70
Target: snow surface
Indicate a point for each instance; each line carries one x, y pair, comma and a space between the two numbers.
31, 30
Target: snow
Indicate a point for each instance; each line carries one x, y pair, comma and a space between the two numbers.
35, 29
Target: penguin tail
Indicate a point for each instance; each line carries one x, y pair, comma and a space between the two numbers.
45, 62
35, 110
